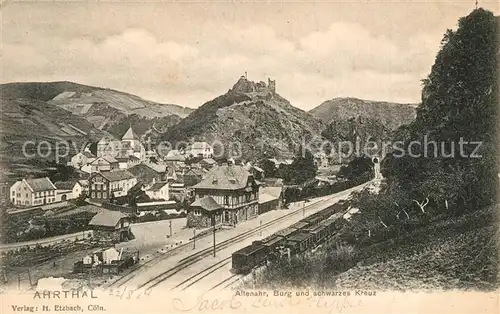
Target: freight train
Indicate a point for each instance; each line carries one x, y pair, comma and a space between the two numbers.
299, 237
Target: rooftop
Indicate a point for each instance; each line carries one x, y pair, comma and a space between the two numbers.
225, 177
199, 145
300, 225
272, 190
130, 135
207, 203
107, 218
249, 249
40, 185
299, 237
117, 175
157, 186
264, 198
208, 161
285, 232
87, 154
106, 158
65, 185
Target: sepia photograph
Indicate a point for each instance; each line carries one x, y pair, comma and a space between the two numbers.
249, 156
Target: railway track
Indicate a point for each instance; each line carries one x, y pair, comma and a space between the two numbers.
226, 283
193, 258
204, 273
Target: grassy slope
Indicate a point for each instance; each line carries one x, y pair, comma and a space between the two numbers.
458, 253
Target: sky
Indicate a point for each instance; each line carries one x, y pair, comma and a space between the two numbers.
190, 52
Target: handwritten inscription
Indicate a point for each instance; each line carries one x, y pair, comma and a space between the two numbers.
203, 304
326, 301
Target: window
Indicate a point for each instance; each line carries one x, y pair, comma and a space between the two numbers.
197, 212
93, 194
98, 194
104, 195
13, 193
104, 187
226, 200
27, 195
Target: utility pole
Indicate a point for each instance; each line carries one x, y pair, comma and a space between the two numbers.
170, 226
261, 227
194, 238
214, 238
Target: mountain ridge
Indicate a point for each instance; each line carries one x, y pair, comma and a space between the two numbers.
62, 92
390, 114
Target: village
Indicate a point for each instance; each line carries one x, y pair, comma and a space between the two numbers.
131, 205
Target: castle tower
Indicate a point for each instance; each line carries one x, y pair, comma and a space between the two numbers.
271, 85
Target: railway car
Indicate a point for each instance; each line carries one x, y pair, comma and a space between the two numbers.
312, 221
300, 225
300, 242
285, 233
272, 242
245, 259
319, 232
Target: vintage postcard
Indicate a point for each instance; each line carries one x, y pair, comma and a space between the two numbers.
249, 156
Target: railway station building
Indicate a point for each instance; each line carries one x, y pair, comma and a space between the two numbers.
230, 186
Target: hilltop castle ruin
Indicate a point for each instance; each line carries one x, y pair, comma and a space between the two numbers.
245, 86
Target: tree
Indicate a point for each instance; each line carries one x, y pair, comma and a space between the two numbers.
459, 104
358, 167
269, 167
303, 167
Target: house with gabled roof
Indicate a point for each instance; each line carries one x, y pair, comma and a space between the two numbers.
129, 145
106, 185
67, 190
233, 188
158, 191
203, 211
113, 226
148, 173
207, 163
104, 163
175, 155
81, 159
270, 198
193, 176
199, 149
33, 192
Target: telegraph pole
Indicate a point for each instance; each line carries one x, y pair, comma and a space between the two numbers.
194, 238
214, 238
170, 225
261, 227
